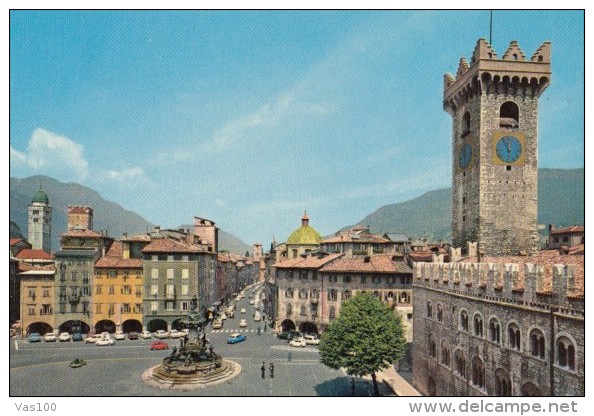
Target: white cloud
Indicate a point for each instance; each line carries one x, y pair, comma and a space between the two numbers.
51, 154
127, 178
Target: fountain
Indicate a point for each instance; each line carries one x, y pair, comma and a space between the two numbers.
194, 364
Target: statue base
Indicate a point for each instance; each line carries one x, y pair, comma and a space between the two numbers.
192, 376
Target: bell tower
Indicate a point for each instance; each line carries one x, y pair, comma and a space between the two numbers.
494, 106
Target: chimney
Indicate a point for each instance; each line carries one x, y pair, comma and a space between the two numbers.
125, 235
551, 228
157, 228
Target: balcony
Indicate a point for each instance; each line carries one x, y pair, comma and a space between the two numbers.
314, 301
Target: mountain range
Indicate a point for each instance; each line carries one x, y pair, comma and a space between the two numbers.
107, 215
561, 194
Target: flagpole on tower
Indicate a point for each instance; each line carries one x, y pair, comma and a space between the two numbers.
491, 28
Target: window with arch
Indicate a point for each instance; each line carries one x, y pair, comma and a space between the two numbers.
537, 343
289, 309
376, 294
460, 363
445, 353
439, 313
565, 353
509, 115
478, 325
315, 294
332, 312
494, 331
513, 337
346, 294
429, 310
431, 347
302, 293
390, 296
404, 297
289, 293
466, 123
478, 373
463, 320
302, 310
332, 294
502, 383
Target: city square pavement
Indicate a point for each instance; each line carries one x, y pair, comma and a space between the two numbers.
42, 369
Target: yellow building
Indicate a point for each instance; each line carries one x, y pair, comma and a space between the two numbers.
303, 240
37, 299
117, 293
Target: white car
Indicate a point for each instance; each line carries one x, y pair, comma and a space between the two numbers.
311, 340
105, 340
298, 342
93, 338
50, 337
251, 301
145, 334
257, 317
223, 316
242, 310
160, 334
237, 298
242, 323
64, 336
175, 334
217, 324
119, 335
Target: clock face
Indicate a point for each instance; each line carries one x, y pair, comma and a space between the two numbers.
509, 149
465, 156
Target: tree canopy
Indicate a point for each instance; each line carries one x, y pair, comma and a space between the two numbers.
365, 338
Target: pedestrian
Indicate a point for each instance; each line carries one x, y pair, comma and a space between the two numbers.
263, 368
264, 327
259, 330
271, 367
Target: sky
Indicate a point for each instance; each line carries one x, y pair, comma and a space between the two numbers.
248, 118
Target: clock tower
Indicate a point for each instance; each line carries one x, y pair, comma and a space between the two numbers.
494, 106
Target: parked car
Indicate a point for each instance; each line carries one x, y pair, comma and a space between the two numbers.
91, 339
242, 323
242, 310
289, 335
105, 339
223, 316
145, 334
119, 335
133, 335
237, 298
257, 317
235, 338
77, 336
49, 337
311, 340
159, 345
298, 342
161, 334
64, 336
251, 301
34, 337
217, 324
175, 334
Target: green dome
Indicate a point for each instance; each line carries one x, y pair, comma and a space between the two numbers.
41, 197
304, 235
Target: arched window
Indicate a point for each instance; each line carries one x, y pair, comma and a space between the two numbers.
494, 331
513, 337
429, 310
478, 325
445, 353
289, 309
390, 296
332, 294
460, 363
478, 373
463, 320
537, 343
502, 383
404, 298
346, 294
565, 353
302, 293
289, 293
431, 348
439, 313
509, 115
302, 310
465, 123
315, 294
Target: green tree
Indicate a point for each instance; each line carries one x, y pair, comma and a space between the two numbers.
365, 338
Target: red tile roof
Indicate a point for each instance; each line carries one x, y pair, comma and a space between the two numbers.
380, 263
140, 237
577, 229
114, 259
309, 262
25, 267
14, 241
82, 233
34, 254
363, 238
168, 245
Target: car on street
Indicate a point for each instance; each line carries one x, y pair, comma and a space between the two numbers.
49, 337
242, 323
242, 310
311, 340
251, 301
91, 339
237, 298
77, 336
34, 337
119, 335
257, 316
161, 334
105, 340
133, 335
159, 345
145, 334
298, 342
175, 334
64, 336
223, 316
217, 324
235, 338
289, 335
